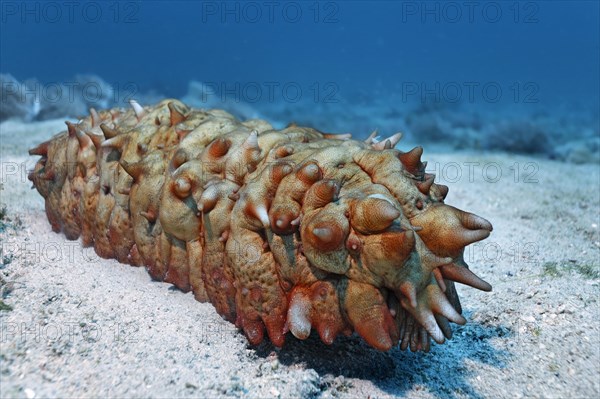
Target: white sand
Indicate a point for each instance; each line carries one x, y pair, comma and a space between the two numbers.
81, 326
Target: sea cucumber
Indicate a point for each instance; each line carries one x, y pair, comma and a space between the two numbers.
281, 230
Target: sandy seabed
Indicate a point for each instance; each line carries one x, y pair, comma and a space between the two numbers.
75, 325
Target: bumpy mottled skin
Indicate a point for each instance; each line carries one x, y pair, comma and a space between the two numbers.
281, 230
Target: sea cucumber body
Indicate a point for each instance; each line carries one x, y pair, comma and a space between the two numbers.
281, 230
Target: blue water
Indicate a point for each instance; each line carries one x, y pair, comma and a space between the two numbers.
520, 58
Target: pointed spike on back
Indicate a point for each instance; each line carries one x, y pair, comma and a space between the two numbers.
425, 186
252, 141
395, 139
109, 132
116, 142
84, 140
381, 145
440, 191
96, 119
412, 160
388, 143
369, 140
96, 139
41, 149
138, 109
176, 116
71, 129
